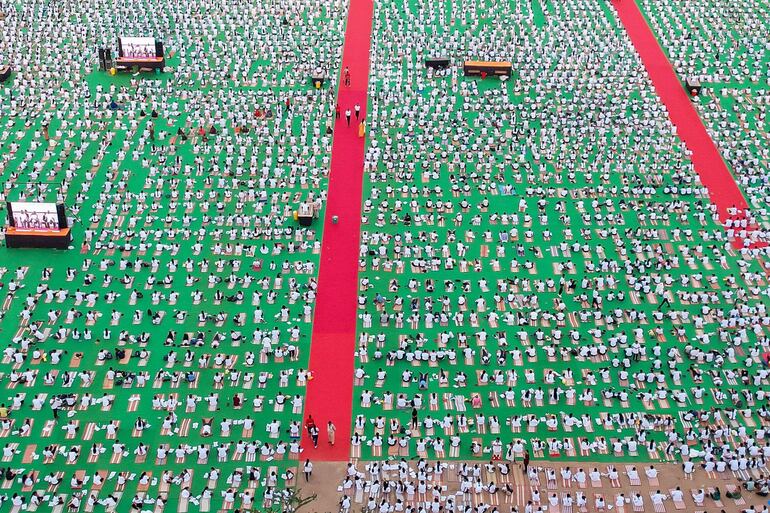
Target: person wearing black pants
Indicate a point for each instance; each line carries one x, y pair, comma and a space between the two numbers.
314, 435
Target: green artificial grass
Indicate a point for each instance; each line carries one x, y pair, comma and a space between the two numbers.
719, 44
625, 158
285, 142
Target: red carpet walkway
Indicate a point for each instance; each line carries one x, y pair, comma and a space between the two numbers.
330, 392
709, 165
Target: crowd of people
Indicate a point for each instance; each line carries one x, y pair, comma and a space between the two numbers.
398, 485
725, 47
162, 361
540, 270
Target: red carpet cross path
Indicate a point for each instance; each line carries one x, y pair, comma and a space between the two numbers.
330, 392
708, 162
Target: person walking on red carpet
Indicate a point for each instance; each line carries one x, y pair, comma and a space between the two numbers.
309, 422
312, 430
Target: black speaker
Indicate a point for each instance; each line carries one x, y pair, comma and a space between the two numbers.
437, 62
11, 222
102, 60
108, 57
158, 49
61, 214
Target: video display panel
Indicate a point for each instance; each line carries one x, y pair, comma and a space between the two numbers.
137, 47
29, 215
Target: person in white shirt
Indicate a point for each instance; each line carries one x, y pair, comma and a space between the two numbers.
658, 497
553, 500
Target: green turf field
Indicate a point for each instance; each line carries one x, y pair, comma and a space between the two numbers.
178, 190
537, 159
532, 228
724, 45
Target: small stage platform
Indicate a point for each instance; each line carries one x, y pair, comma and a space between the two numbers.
487, 68
52, 239
128, 63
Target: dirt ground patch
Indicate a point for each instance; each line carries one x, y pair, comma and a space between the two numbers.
516, 489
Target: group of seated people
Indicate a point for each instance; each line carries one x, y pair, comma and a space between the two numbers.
177, 327
723, 45
541, 271
398, 485
524, 253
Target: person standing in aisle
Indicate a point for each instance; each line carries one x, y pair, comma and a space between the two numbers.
314, 435
331, 432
